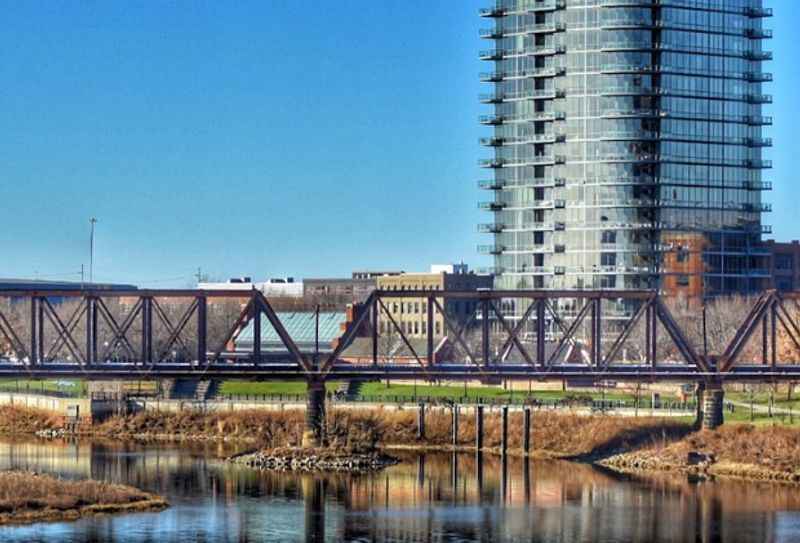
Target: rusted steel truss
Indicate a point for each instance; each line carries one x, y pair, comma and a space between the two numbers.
503, 335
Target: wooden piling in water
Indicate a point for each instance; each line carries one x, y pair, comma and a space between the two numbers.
455, 425
526, 431
504, 444
479, 427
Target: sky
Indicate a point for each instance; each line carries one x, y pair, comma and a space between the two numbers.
265, 138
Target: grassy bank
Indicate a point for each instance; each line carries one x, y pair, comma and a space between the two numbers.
565, 435
737, 450
29, 497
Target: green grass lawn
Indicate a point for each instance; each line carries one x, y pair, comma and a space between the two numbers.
78, 387
380, 390
272, 388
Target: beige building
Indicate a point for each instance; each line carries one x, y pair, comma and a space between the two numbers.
411, 314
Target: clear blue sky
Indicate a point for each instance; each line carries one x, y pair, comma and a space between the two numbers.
264, 138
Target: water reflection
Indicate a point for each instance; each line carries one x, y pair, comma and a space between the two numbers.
439, 497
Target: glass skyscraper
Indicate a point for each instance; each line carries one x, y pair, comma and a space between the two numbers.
627, 144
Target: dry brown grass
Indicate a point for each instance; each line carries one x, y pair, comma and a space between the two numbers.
273, 428
361, 430
27, 497
26, 420
777, 448
558, 434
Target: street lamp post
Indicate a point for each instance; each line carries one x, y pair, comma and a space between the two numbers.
92, 222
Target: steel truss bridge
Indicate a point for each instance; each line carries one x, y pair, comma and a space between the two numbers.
98, 334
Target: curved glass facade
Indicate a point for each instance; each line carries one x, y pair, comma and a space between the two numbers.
627, 144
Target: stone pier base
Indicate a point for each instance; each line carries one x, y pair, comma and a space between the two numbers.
713, 398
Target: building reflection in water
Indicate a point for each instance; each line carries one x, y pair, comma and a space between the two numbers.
470, 497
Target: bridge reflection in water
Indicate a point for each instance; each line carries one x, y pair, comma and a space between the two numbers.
426, 497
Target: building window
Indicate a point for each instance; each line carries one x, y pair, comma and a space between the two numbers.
416, 327
683, 280
783, 262
608, 259
682, 254
438, 328
608, 236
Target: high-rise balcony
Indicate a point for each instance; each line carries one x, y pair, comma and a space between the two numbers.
758, 142
492, 206
753, 12
530, 227
500, 54
499, 184
528, 249
522, 140
491, 228
491, 249
535, 204
716, 139
536, 94
520, 162
523, 117
757, 55
758, 120
758, 163
757, 185
491, 184
621, 180
649, 45
758, 33
626, 135
623, 113
548, 71
522, 8
758, 77
543, 28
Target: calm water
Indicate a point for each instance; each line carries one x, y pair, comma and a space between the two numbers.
426, 498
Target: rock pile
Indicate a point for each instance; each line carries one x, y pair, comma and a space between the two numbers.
311, 460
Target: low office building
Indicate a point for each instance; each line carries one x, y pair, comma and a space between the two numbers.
784, 264
411, 314
337, 291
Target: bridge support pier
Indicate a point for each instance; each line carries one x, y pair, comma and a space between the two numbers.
314, 433
713, 399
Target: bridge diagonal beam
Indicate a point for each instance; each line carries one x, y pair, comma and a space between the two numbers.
58, 324
626, 331
509, 342
458, 338
788, 323
12, 337
512, 334
243, 317
72, 323
402, 335
174, 331
569, 335
120, 331
681, 342
369, 307
756, 315
264, 306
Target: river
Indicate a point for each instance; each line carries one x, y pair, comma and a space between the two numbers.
433, 497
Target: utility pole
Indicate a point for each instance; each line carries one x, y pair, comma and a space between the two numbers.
92, 222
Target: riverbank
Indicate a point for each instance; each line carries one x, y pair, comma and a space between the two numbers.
561, 434
30, 497
737, 450
621, 443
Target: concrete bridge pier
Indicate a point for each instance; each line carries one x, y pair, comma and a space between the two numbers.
314, 433
713, 399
